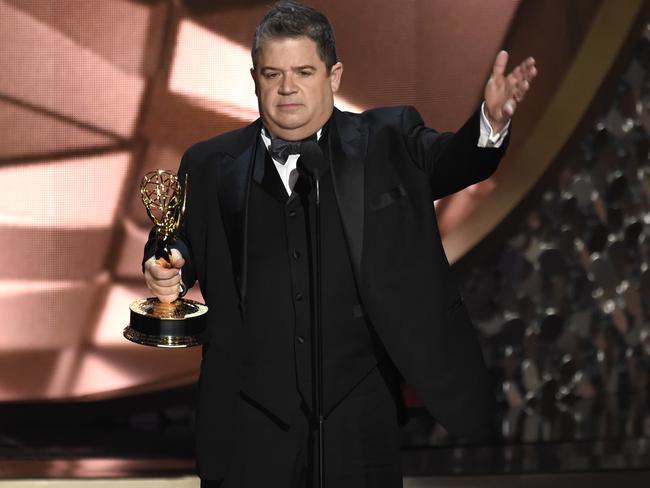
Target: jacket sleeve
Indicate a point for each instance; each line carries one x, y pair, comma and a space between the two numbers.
452, 161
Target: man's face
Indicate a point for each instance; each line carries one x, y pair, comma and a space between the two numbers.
295, 92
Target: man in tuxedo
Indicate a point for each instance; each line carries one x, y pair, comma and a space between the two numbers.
391, 311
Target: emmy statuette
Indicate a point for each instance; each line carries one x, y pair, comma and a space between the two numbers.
154, 323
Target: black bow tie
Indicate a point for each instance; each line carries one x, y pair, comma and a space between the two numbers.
280, 149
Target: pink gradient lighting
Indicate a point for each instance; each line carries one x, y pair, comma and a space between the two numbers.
40, 315
46, 68
129, 261
115, 315
97, 373
76, 193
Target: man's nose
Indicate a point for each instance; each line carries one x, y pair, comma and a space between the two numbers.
288, 85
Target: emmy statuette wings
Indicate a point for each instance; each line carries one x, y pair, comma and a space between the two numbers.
154, 323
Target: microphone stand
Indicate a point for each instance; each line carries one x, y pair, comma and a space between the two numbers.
312, 163
318, 343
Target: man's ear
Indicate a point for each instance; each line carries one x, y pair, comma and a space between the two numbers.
335, 76
254, 76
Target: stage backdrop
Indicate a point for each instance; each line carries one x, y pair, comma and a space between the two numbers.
95, 93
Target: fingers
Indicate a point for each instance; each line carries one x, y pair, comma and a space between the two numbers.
519, 89
170, 283
164, 282
527, 70
504, 93
530, 68
165, 298
177, 259
157, 271
164, 292
520, 79
500, 63
509, 107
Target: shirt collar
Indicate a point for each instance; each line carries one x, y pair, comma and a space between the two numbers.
266, 136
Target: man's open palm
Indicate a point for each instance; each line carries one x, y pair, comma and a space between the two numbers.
503, 93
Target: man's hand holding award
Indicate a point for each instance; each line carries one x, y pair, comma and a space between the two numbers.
165, 322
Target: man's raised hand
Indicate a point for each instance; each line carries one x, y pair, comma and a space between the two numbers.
503, 93
164, 280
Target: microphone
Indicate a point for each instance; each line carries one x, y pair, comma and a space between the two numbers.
312, 161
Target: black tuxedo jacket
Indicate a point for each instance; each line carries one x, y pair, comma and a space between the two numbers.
387, 169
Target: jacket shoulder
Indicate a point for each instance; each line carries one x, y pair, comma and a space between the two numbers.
231, 143
385, 116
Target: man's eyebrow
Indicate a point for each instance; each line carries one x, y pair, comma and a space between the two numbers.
293, 68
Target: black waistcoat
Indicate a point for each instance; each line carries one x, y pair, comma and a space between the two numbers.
278, 322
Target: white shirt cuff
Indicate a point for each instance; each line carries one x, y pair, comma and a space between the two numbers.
487, 137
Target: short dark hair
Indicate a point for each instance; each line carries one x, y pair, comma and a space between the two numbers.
292, 19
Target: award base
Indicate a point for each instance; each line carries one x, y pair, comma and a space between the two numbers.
173, 325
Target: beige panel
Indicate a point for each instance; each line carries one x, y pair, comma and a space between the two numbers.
77, 193
92, 358
24, 132
114, 315
129, 260
107, 371
177, 122
45, 68
125, 33
237, 24
25, 372
45, 315
53, 254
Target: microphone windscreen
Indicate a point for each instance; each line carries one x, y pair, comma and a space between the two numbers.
312, 160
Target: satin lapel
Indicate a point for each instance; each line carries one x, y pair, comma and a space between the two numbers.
234, 186
348, 142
